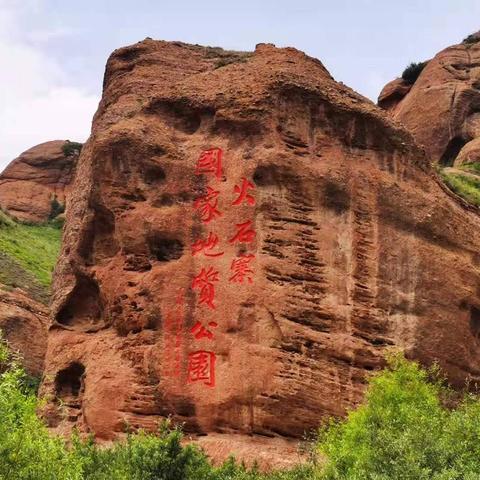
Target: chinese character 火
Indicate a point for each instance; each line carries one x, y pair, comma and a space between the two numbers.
243, 194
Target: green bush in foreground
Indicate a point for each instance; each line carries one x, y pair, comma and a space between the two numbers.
403, 431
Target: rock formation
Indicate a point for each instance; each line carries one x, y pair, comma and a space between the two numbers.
31, 182
23, 323
246, 238
442, 108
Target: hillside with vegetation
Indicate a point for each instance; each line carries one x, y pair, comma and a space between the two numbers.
27, 255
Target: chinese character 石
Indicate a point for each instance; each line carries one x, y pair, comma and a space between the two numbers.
204, 281
207, 205
243, 194
241, 269
210, 161
207, 246
244, 234
201, 367
199, 331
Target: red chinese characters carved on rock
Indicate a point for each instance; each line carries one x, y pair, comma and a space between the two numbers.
201, 367
245, 234
207, 205
210, 161
241, 269
207, 246
205, 282
243, 195
199, 331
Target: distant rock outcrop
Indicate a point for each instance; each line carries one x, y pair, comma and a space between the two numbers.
34, 185
245, 240
442, 108
23, 323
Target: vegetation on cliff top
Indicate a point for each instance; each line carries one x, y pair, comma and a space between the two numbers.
413, 71
406, 429
28, 254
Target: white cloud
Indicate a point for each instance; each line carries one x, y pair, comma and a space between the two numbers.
37, 103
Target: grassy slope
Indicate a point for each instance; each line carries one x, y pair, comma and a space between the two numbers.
27, 255
466, 185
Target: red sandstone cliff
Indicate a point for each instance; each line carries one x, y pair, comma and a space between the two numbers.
442, 108
30, 182
246, 238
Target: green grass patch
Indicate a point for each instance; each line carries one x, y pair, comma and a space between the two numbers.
473, 167
35, 248
465, 186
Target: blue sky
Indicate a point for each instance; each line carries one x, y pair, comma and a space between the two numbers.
54, 51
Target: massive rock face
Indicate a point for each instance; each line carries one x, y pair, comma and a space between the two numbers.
30, 182
245, 240
442, 109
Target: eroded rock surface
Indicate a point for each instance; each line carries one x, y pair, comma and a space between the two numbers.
24, 323
355, 248
32, 181
442, 108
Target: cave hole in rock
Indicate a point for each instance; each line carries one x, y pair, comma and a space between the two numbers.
84, 307
336, 197
475, 321
451, 152
69, 382
153, 173
266, 175
164, 247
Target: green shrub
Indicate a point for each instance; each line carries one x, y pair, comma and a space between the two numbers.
71, 148
404, 431
473, 38
412, 72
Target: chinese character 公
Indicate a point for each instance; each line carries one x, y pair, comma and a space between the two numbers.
199, 331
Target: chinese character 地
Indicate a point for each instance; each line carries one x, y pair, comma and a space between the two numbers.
201, 367
207, 246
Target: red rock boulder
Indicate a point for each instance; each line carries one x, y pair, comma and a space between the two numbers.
245, 240
31, 182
